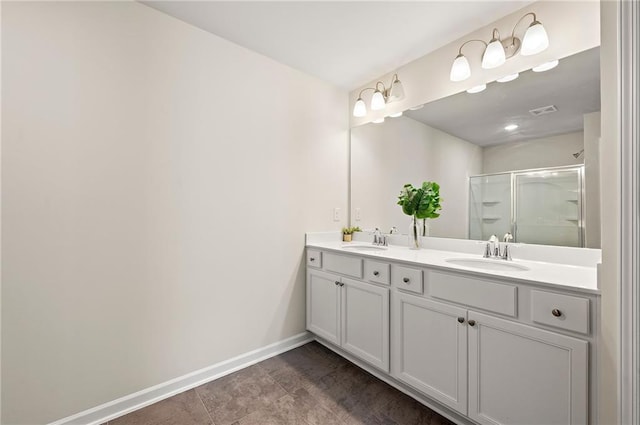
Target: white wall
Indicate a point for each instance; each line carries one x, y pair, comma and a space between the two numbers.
157, 182
553, 151
384, 157
609, 347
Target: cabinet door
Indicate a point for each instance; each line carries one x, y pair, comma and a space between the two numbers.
323, 314
365, 322
523, 375
430, 348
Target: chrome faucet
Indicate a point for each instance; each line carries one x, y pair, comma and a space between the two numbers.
379, 238
493, 249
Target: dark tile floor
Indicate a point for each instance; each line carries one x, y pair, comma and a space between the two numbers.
309, 385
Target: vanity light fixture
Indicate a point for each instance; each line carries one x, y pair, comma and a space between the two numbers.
497, 51
477, 89
381, 96
511, 127
545, 66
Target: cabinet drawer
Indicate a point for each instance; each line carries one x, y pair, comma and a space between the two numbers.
479, 293
560, 311
350, 266
407, 278
314, 258
377, 272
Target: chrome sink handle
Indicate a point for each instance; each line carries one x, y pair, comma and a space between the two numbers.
487, 251
506, 253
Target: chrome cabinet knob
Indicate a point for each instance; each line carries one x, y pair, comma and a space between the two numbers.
341, 284
472, 322
376, 273
556, 312
405, 279
460, 319
337, 283
312, 259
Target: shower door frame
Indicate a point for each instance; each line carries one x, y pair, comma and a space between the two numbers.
513, 207
514, 204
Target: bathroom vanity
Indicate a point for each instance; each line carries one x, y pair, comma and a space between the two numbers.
484, 341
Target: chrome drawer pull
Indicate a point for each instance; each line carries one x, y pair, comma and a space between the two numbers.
405, 280
376, 273
472, 322
312, 259
556, 312
460, 319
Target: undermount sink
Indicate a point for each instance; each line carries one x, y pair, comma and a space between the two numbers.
497, 265
365, 247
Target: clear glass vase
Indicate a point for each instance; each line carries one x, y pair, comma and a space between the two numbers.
415, 233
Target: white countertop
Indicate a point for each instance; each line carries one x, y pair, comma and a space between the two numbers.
579, 278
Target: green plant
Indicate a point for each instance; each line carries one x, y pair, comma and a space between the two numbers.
422, 202
350, 230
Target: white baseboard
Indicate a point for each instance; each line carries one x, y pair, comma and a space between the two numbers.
116, 408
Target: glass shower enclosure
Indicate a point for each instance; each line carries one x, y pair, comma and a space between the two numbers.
542, 206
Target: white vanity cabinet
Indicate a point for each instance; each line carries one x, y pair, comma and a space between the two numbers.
493, 370
349, 313
323, 305
429, 348
522, 375
496, 351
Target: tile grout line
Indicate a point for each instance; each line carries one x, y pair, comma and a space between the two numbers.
292, 393
203, 405
275, 380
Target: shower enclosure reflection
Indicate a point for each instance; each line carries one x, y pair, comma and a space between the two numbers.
543, 206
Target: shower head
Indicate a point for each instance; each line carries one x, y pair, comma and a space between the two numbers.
577, 154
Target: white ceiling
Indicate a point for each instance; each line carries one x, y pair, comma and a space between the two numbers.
347, 43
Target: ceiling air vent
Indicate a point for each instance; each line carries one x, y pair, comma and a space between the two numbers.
543, 110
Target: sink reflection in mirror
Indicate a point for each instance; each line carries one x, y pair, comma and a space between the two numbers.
455, 138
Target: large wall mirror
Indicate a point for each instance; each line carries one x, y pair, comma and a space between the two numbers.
539, 180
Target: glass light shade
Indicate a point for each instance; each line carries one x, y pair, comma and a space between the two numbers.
378, 120
396, 115
508, 78
396, 92
493, 55
460, 70
545, 66
377, 101
535, 40
511, 127
477, 89
359, 109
